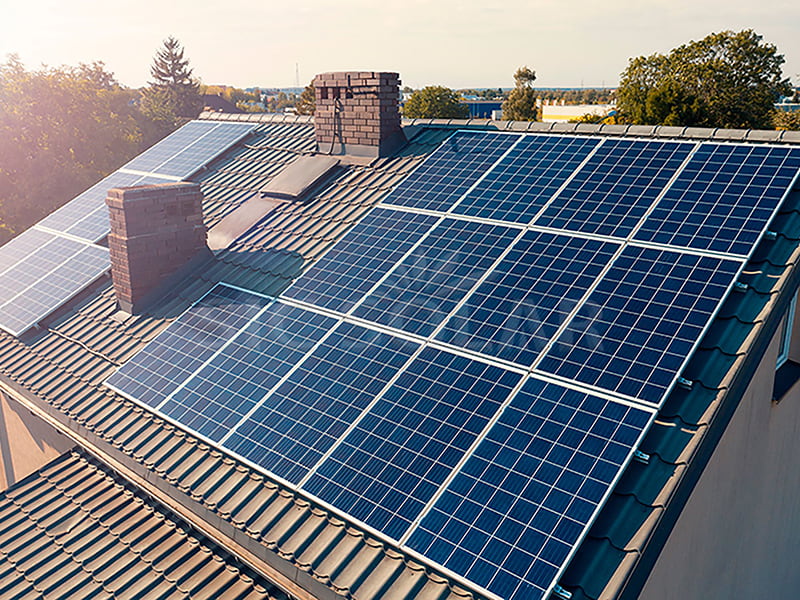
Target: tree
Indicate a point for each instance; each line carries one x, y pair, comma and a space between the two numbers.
435, 102
307, 102
787, 120
61, 130
521, 102
173, 94
728, 79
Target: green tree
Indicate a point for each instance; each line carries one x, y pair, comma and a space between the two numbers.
307, 102
61, 130
435, 102
173, 94
520, 105
728, 79
787, 120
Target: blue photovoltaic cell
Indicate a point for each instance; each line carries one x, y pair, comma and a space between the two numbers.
640, 324
87, 215
201, 152
393, 462
224, 391
47, 278
516, 509
347, 271
524, 180
451, 170
616, 187
428, 284
166, 362
519, 307
19, 248
171, 145
723, 199
312, 409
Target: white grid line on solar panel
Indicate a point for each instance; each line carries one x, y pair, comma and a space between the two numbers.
427, 284
228, 386
519, 307
724, 199
451, 170
531, 173
513, 516
59, 280
76, 209
639, 326
611, 193
20, 247
200, 152
404, 447
313, 408
178, 351
346, 272
171, 145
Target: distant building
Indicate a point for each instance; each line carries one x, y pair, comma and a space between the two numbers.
554, 113
483, 109
214, 103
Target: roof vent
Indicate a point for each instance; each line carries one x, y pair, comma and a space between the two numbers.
358, 113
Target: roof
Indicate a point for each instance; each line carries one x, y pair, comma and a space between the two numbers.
59, 370
72, 530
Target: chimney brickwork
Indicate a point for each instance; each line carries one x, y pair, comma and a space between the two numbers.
358, 113
156, 230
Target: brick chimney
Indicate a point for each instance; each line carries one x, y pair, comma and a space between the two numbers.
157, 235
358, 113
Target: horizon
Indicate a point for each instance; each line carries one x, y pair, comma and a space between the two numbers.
471, 44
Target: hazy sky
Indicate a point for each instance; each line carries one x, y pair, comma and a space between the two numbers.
449, 42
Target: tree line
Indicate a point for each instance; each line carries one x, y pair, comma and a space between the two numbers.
64, 128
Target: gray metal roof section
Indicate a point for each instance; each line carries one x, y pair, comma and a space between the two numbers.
60, 371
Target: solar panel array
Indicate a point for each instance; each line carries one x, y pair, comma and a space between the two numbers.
469, 381
39, 271
44, 267
175, 157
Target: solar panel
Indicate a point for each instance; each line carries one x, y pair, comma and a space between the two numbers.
340, 278
515, 511
87, 216
638, 327
21, 247
612, 192
47, 277
201, 152
451, 170
296, 425
519, 307
393, 462
724, 198
428, 284
189, 148
180, 350
524, 180
224, 391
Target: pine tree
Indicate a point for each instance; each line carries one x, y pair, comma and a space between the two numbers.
173, 90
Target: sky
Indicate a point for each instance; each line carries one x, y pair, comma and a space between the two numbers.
456, 43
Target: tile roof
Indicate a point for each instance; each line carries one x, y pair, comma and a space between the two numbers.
60, 369
72, 531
